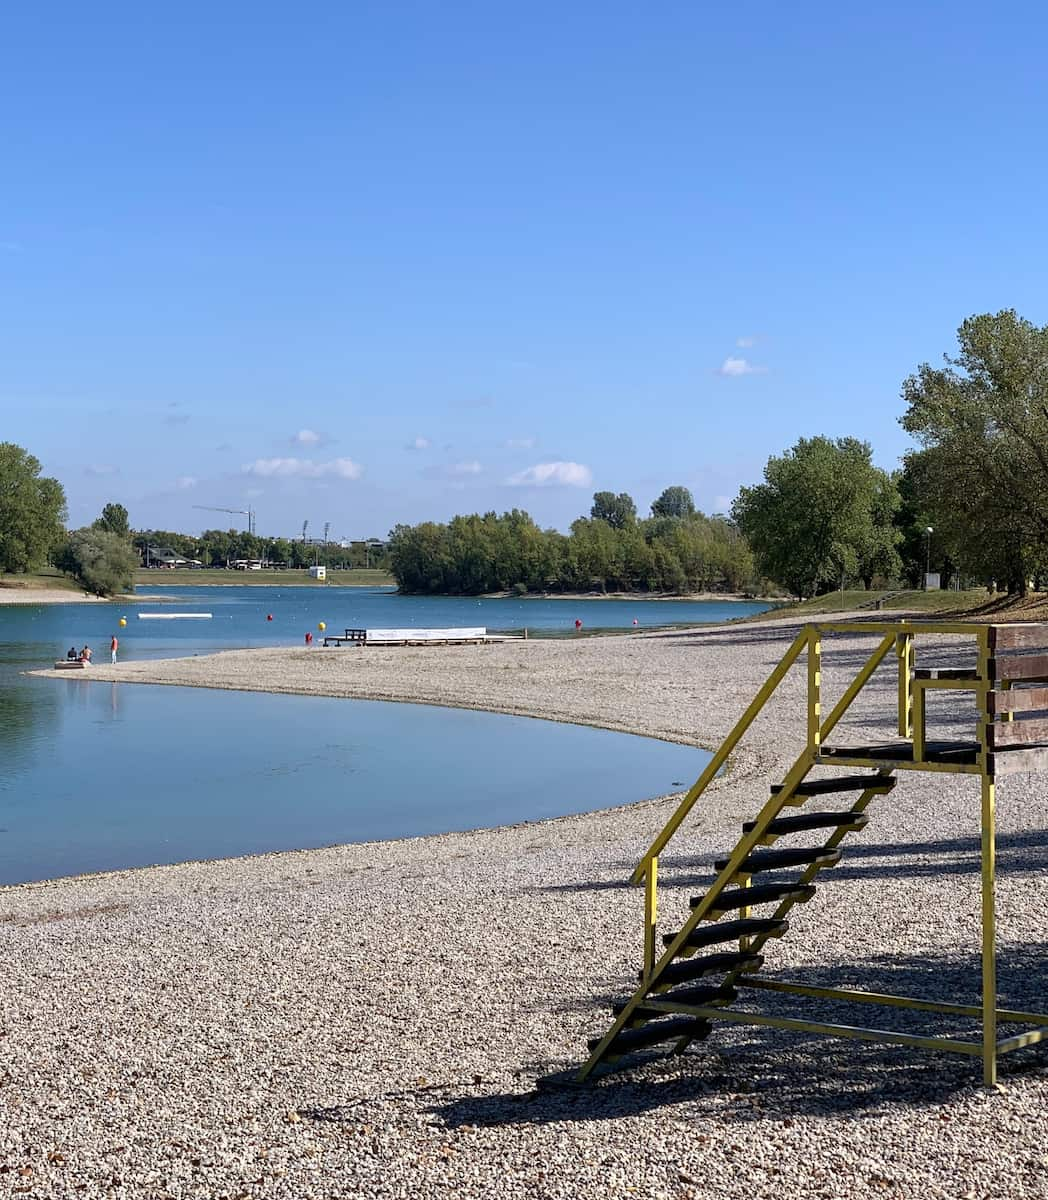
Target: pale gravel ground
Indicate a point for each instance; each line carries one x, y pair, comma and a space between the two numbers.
370, 1020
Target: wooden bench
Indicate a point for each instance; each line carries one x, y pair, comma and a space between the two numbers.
358, 636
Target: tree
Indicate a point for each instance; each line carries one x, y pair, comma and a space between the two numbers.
32, 511
982, 424
619, 511
114, 520
103, 562
674, 502
820, 516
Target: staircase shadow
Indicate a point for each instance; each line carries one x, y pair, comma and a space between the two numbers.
1017, 854
746, 1074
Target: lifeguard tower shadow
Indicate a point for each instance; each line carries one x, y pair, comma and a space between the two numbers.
754, 1073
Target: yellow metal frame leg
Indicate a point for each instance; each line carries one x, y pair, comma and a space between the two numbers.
989, 934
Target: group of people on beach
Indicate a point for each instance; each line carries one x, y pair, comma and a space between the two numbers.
84, 655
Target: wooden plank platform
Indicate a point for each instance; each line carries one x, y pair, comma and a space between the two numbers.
963, 753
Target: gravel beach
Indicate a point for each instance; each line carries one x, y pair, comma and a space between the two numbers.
371, 1020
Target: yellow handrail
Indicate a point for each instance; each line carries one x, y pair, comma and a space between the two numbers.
718, 760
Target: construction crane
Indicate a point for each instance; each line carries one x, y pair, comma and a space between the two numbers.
240, 512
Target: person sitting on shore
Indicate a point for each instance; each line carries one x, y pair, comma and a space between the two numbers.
85, 654
71, 654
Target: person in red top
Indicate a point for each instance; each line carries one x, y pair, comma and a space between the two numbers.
113, 649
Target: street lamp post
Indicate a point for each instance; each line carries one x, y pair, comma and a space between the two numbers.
928, 531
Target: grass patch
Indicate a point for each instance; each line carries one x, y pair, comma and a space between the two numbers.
49, 579
222, 578
975, 604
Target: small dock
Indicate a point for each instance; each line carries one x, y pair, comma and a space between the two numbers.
473, 635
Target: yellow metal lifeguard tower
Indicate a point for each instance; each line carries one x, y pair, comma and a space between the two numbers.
696, 980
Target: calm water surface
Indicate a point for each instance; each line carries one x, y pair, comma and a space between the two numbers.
99, 776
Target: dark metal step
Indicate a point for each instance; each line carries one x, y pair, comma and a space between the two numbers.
731, 931
761, 893
774, 860
964, 753
652, 1034
843, 783
946, 673
708, 964
705, 994
812, 820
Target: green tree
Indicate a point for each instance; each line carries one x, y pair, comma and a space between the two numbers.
32, 511
982, 424
619, 511
103, 562
818, 518
674, 502
114, 520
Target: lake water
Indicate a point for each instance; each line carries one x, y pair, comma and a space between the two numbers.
98, 776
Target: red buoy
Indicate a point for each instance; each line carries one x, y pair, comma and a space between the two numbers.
269, 616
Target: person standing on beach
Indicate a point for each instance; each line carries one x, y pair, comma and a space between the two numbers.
113, 645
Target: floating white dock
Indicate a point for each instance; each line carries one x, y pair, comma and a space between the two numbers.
174, 616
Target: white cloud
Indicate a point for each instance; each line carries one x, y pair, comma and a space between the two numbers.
302, 468
307, 437
744, 343
186, 481
465, 468
739, 366
553, 474
525, 443
419, 443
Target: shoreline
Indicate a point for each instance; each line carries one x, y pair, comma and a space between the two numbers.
371, 1019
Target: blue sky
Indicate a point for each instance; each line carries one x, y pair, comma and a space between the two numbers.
369, 263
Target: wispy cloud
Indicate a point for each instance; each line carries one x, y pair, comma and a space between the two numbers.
9, 247
185, 482
303, 468
307, 437
176, 418
523, 443
747, 341
224, 447
553, 474
419, 443
460, 469
98, 470
734, 367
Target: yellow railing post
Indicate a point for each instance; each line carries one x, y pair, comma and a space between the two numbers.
989, 867
814, 689
651, 914
904, 653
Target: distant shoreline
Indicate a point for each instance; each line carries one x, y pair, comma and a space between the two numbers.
728, 597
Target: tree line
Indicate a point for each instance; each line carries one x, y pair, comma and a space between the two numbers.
676, 549
218, 547
970, 500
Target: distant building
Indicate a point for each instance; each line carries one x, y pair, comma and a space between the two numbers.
164, 556
318, 573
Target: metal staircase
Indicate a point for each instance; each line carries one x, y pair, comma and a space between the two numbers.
718, 950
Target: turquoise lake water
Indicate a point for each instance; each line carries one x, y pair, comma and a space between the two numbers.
99, 776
